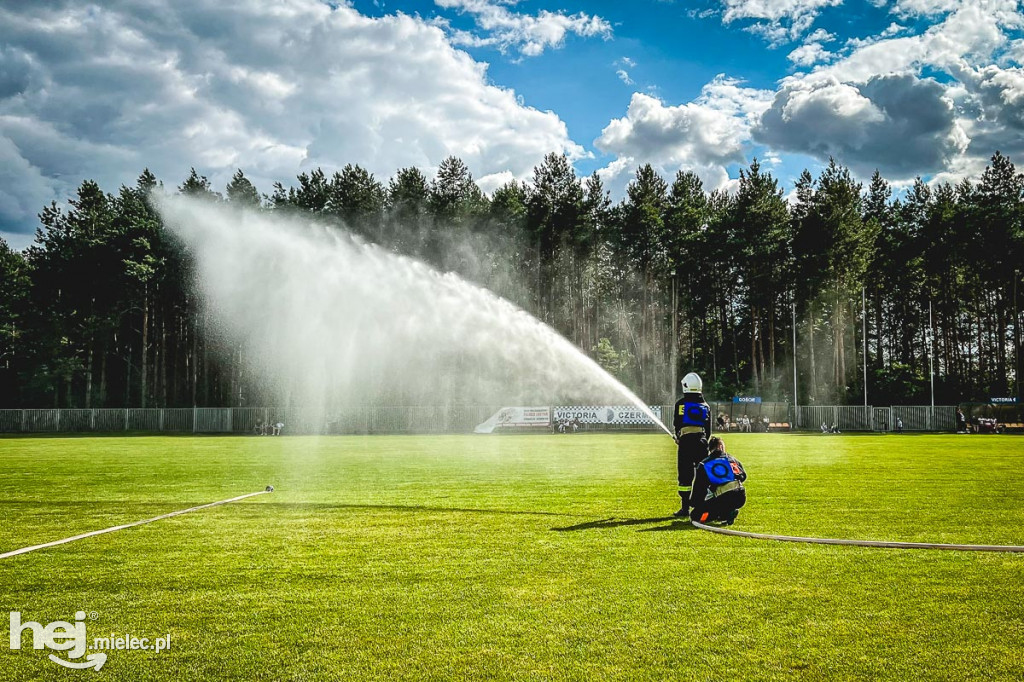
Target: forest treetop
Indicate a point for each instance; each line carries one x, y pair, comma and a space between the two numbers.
100, 310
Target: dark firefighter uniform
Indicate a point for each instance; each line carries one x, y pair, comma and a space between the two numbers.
718, 491
692, 425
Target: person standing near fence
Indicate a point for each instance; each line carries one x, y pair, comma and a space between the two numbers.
691, 423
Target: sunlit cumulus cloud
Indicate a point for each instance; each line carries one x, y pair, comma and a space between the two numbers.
705, 135
527, 34
779, 21
812, 51
881, 107
900, 124
933, 96
101, 91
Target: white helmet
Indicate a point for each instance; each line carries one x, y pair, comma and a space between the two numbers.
692, 383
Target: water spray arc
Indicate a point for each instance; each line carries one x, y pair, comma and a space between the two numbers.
328, 319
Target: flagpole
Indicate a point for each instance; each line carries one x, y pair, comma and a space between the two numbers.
794, 363
931, 359
864, 333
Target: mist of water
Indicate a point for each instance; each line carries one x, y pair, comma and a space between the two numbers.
324, 319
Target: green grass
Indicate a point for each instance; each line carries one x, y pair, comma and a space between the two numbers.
530, 557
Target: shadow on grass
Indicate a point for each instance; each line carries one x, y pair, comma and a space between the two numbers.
677, 524
412, 508
256, 507
617, 523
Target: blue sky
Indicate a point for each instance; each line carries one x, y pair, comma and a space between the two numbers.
925, 88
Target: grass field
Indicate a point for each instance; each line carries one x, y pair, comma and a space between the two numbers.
533, 557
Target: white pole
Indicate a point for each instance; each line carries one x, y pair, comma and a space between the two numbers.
794, 364
864, 333
931, 361
675, 337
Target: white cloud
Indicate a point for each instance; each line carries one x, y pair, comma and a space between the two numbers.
900, 124
892, 30
937, 103
809, 54
778, 21
998, 95
820, 35
1015, 51
624, 63
972, 32
875, 107
812, 51
530, 35
704, 135
90, 91
918, 8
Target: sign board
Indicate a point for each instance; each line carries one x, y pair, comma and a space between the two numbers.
516, 416
1003, 401
756, 399
606, 414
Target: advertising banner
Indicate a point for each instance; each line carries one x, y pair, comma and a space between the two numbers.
605, 414
516, 416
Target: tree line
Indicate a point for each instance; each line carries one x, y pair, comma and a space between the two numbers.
101, 310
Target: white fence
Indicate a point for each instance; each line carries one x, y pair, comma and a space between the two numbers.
417, 419
861, 418
925, 417
351, 420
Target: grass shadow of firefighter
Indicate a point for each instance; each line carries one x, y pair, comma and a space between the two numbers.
613, 522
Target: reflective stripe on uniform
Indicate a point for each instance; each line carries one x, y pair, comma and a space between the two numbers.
727, 487
685, 488
690, 429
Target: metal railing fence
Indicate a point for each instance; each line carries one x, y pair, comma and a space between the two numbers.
861, 418
349, 420
416, 419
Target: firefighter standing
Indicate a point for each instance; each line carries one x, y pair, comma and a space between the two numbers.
691, 423
718, 491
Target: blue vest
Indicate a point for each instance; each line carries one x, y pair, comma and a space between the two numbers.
719, 471
694, 414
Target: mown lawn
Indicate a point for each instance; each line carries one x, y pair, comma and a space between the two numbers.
516, 557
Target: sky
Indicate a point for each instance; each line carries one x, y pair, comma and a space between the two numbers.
928, 88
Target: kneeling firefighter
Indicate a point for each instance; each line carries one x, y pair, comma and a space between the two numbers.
692, 425
718, 491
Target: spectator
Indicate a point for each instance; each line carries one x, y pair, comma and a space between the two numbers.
961, 421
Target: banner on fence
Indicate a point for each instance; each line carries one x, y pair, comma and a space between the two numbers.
606, 414
1003, 401
516, 416
755, 399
